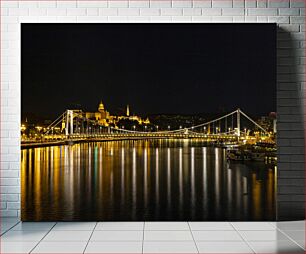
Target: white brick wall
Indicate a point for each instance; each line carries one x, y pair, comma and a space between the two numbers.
289, 14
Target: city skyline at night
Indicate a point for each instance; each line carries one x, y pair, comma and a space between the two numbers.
183, 69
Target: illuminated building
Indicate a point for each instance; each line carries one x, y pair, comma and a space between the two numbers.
102, 116
105, 118
268, 122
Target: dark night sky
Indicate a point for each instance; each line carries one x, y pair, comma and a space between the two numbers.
156, 68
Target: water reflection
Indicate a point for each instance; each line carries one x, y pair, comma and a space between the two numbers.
168, 178
157, 183
181, 180
143, 180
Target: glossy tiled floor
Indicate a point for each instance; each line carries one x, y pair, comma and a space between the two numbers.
152, 237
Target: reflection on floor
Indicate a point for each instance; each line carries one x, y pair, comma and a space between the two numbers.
152, 237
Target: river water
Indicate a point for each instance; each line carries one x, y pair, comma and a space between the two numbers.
174, 180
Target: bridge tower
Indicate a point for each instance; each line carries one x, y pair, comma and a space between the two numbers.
69, 122
238, 122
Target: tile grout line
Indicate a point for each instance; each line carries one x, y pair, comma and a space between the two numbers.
143, 231
42, 238
290, 238
247, 243
114, 230
274, 226
90, 237
10, 228
193, 237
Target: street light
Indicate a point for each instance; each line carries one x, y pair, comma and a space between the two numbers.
157, 127
23, 127
39, 128
168, 127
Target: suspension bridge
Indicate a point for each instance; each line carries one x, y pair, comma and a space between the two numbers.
73, 126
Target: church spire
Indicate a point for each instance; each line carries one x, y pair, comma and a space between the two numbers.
127, 110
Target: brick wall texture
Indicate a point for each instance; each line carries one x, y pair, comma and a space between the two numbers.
289, 15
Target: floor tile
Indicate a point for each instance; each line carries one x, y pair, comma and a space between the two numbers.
258, 235
273, 223
297, 236
69, 236
63, 226
5, 229
301, 243
17, 247
167, 235
253, 225
223, 247
167, 225
9, 220
114, 247
120, 226
7, 224
60, 247
160, 237
23, 236
116, 236
169, 247
33, 226
210, 225
276, 247
291, 225
216, 236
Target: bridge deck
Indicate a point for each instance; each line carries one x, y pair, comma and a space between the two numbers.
68, 141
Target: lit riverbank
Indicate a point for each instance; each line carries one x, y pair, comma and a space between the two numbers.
34, 144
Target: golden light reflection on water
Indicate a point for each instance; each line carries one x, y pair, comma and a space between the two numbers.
192, 176
168, 178
143, 180
181, 193
217, 180
205, 179
157, 176
122, 176
256, 196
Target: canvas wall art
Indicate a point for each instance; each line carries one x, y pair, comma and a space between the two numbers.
148, 122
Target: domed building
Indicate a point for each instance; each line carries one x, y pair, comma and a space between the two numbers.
103, 113
104, 117
101, 107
